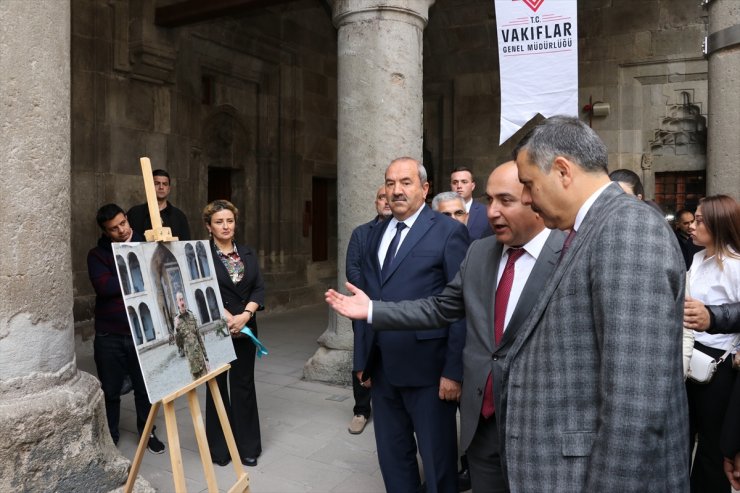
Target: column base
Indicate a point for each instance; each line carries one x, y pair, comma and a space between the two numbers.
330, 366
56, 438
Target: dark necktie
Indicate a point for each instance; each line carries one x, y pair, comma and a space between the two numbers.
391, 253
499, 316
566, 243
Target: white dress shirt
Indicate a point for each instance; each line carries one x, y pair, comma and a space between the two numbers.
587, 205
390, 232
522, 269
713, 285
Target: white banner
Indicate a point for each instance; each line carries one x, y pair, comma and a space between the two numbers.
538, 60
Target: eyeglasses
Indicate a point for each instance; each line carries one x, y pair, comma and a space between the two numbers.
457, 213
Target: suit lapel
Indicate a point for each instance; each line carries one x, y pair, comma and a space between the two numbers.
545, 265
583, 236
490, 291
376, 236
418, 230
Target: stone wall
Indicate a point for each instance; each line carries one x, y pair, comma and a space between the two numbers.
254, 95
642, 57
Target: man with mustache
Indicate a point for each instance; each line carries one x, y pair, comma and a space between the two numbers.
414, 376
529, 251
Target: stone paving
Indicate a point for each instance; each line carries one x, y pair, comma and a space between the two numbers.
306, 446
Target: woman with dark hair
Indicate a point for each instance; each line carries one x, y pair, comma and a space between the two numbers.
714, 278
243, 293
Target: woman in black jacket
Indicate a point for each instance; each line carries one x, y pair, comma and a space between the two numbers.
243, 294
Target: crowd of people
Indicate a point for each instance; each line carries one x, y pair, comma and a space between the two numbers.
576, 310
553, 318
242, 292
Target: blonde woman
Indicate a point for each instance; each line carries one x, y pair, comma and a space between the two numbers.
243, 293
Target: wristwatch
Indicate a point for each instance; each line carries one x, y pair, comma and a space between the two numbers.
251, 313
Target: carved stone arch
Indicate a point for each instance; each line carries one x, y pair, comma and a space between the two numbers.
230, 143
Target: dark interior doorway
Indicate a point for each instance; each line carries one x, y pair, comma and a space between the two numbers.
322, 188
219, 184
680, 190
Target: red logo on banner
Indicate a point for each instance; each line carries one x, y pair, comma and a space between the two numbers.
534, 4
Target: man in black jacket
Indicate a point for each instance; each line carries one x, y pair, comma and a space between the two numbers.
114, 350
172, 217
683, 220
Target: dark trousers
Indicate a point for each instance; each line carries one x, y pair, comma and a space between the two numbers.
707, 406
402, 412
484, 459
115, 357
240, 401
362, 397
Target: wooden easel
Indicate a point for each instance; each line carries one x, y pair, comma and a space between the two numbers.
159, 233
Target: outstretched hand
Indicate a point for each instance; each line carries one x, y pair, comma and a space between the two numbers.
354, 307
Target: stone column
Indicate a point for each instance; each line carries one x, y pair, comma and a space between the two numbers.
723, 146
380, 68
52, 417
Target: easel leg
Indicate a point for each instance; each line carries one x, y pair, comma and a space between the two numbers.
143, 441
226, 426
173, 437
200, 436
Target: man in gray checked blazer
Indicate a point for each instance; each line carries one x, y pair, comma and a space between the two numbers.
471, 294
593, 397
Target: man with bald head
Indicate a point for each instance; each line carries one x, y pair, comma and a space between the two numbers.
414, 376
498, 283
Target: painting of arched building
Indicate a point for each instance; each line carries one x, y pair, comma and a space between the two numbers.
152, 275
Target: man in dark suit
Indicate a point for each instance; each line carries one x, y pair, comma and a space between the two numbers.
356, 255
415, 376
462, 182
593, 395
471, 294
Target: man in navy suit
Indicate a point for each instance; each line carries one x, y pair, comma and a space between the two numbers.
415, 375
462, 182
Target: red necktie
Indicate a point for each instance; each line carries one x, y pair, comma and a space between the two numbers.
566, 243
499, 316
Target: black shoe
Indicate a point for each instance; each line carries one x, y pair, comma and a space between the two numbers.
223, 462
463, 480
249, 461
154, 445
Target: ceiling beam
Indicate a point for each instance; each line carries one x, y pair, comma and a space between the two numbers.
192, 11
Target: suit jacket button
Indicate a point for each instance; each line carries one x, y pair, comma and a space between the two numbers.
480, 392
494, 357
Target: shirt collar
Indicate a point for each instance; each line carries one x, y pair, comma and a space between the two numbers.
233, 253
408, 221
533, 246
587, 205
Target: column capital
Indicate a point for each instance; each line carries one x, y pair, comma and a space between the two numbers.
351, 11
